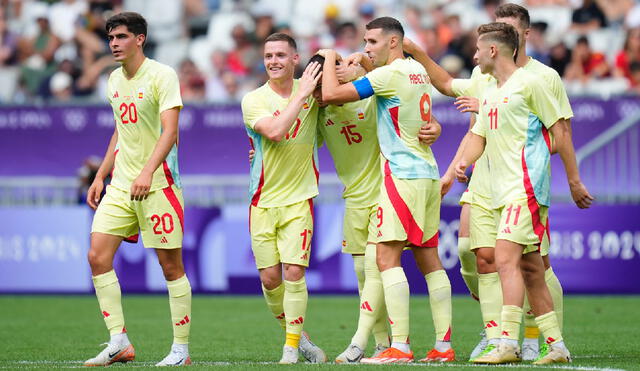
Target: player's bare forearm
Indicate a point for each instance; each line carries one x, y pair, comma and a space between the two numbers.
440, 78
564, 145
332, 91
473, 149
109, 158
465, 138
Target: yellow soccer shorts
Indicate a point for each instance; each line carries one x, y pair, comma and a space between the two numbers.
482, 224
159, 218
281, 234
409, 211
359, 227
523, 222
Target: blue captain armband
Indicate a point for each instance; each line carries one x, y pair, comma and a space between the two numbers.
364, 88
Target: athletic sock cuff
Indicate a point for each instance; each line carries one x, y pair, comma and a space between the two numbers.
437, 280
275, 291
512, 313
393, 276
105, 279
296, 286
549, 274
488, 277
179, 287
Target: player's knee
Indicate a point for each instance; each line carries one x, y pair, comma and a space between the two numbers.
98, 262
172, 271
485, 261
293, 272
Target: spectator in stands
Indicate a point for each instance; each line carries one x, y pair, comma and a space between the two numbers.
588, 17
559, 57
348, 40
36, 56
8, 42
192, 82
243, 58
536, 43
630, 54
585, 63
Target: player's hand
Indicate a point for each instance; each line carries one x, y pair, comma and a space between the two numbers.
467, 104
408, 45
460, 171
355, 58
429, 133
347, 73
326, 52
309, 79
252, 154
94, 193
581, 195
141, 186
446, 182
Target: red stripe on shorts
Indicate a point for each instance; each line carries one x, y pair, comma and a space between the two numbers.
532, 203
175, 203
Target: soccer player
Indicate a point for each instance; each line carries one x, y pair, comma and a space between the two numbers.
483, 281
517, 112
409, 199
349, 130
145, 192
281, 120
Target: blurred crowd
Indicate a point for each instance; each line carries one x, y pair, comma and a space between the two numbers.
57, 50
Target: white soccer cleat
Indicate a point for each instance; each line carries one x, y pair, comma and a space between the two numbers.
289, 355
554, 354
353, 354
379, 349
111, 354
480, 346
530, 350
178, 356
310, 351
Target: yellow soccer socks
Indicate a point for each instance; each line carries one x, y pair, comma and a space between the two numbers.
180, 304
555, 289
490, 293
295, 309
373, 314
511, 319
468, 265
358, 267
548, 325
396, 296
275, 299
440, 301
109, 297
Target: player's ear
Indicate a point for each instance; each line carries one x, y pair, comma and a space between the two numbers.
393, 41
526, 34
140, 40
296, 58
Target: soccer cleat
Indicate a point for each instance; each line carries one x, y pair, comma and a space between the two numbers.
379, 349
553, 355
434, 356
480, 346
310, 351
484, 351
178, 356
289, 355
503, 353
390, 355
353, 354
530, 350
111, 354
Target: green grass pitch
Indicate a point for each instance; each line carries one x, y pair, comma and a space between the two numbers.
237, 332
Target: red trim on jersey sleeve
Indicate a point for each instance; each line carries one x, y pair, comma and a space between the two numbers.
532, 203
394, 118
547, 138
175, 203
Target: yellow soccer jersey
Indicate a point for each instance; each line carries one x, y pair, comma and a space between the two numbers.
137, 104
474, 87
350, 134
403, 100
515, 119
285, 172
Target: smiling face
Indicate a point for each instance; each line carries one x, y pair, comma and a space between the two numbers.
124, 44
280, 60
377, 46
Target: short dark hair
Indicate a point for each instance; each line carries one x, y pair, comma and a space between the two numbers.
279, 36
320, 59
135, 23
516, 11
501, 32
387, 24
